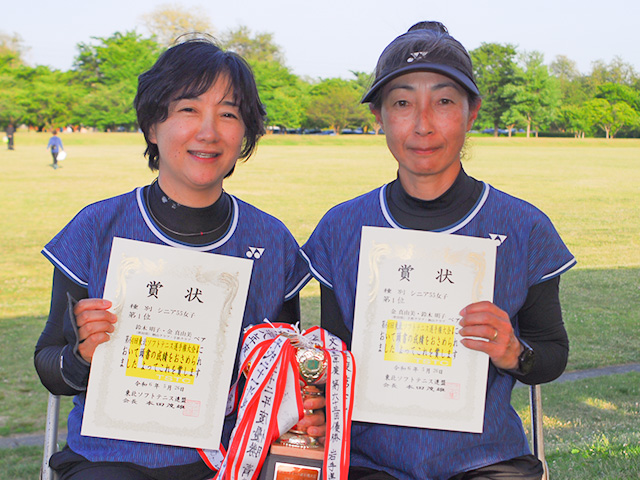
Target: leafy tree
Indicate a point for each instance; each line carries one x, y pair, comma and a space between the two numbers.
537, 96
12, 50
362, 82
282, 93
335, 103
120, 57
494, 69
513, 117
574, 87
107, 107
253, 47
617, 71
610, 117
109, 71
168, 22
616, 92
573, 118
47, 98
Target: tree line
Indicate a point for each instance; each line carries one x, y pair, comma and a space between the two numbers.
520, 92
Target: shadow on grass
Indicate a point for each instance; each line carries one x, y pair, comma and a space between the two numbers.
590, 426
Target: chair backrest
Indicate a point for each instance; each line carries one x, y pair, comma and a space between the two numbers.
537, 437
50, 437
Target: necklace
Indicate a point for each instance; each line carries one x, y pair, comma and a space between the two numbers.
181, 234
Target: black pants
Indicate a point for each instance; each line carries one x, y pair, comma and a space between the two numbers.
527, 467
54, 154
71, 466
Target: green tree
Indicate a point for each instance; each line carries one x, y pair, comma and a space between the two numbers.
335, 103
616, 92
282, 93
168, 22
616, 71
107, 107
12, 50
109, 73
253, 47
538, 96
610, 117
573, 86
573, 118
11, 63
362, 82
120, 57
47, 97
494, 69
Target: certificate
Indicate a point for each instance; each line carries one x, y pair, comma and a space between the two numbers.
164, 375
412, 369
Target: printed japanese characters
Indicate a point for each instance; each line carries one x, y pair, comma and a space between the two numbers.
412, 368
164, 375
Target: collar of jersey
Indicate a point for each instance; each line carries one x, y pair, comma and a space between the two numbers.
451, 228
174, 243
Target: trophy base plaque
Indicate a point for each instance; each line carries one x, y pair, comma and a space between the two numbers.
288, 463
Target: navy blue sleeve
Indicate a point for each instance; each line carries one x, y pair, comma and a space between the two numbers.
59, 365
540, 325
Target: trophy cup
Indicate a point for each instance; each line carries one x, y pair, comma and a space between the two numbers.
296, 455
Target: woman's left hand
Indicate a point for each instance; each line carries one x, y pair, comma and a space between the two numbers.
486, 321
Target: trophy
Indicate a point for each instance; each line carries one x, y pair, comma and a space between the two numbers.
297, 455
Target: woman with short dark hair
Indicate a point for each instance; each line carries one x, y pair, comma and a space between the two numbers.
200, 112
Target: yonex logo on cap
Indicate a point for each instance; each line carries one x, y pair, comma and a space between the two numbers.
417, 56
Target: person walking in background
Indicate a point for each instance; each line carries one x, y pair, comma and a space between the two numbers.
55, 144
11, 130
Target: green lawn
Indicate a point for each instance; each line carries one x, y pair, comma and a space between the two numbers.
589, 188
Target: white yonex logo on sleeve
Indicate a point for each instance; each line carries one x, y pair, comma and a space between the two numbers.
498, 238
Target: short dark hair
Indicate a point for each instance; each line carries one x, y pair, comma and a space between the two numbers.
426, 46
188, 69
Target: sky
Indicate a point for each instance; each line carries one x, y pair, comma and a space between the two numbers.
331, 38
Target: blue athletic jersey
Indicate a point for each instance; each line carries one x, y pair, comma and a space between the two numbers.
82, 248
530, 252
54, 144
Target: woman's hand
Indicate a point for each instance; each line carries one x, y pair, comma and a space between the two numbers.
94, 324
313, 421
484, 320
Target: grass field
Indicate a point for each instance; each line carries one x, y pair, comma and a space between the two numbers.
589, 188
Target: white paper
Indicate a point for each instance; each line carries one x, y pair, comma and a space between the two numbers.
164, 375
411, 368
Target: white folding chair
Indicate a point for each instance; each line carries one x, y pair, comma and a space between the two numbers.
50, 437
537, 437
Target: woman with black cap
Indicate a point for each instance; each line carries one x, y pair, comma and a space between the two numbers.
425, 98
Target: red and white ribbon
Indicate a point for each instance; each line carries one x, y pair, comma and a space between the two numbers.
271, 403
